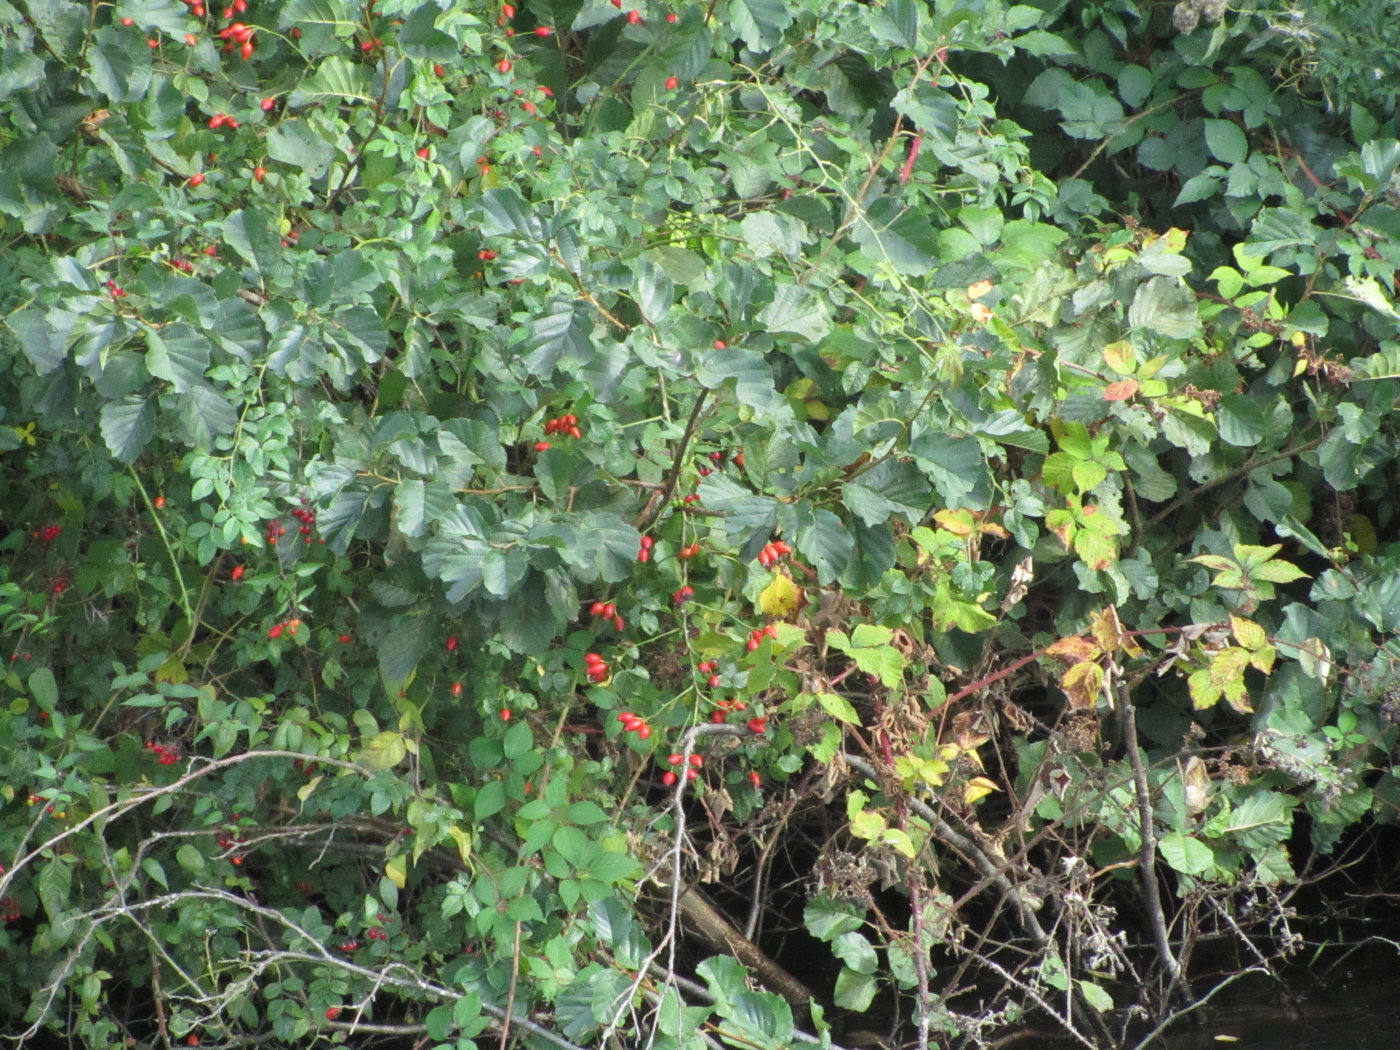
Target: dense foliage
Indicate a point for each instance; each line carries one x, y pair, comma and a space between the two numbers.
690, 525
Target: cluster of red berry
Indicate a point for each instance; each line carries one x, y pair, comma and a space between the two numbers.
306, 769
595, 667
710, 668
686, 553
772, 552
644, 551
607, 611
307, 516
222, 120
757, 635
349, 946
634, 724
47, 534
696, 763
9, 909
59, 586
274, 530
290, 626
226, 840
238, 33
724, 707
118, 292
566, 425
182, 264
167, 756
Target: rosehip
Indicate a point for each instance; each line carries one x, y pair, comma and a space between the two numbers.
668, 778
643, 731
456, 688
424, 153
197, 179
690, 774
438, 70
332, 1012
671, 18
344, 638
647, 542
619, 623
268, 103
452, 643
159, 502
505, 714
543, 446
259, 173
754, 778
596, 609
633, 16
543, 31
671, 83
675, 759
507, 12
697, 760
246, 51
503, 65
237, 573
714, 681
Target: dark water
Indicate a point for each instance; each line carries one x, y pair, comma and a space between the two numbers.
1351, 1005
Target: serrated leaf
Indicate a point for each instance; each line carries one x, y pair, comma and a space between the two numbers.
127, 427
780, 599
839, 708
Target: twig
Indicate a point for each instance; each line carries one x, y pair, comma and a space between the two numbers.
1147, 859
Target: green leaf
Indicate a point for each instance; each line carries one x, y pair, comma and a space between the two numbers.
178, 354
1166, 306
1226, 141
838, 707
127, 427
855, 991
899, 237
44, 688
561, 335
1185, 854
760, 23
826, 918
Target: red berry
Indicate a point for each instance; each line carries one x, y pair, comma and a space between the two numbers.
268, 103
486, 255
438, 70
543, 31
240, 6
159, 502
456, 688
197, 179
543, 446
332, 1012
617, 4
717, 717
644, 555
344, 638
758, 726
643, 731
424, 153
296, 32
671, 83
676, 760
503, 65
719, 344
671, 18
154, 43
634, 16
217, 121
751, 644
690, 774
596, 609
714, 681
668, 778
190, 40
128, 21
507, 11
192, 1040
505, 714
259, 173
754, 778
452, 643
619, 623
246, 50
237, 573
697, 760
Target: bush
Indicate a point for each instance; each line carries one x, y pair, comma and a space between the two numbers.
656, 525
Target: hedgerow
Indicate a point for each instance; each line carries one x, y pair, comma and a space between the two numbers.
713, 524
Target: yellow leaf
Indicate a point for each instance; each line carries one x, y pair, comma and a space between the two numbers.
1082, 683
977, 788
1248, 633
397, 870
977, 289
781, 598
464, 842
959, 522
305, 791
